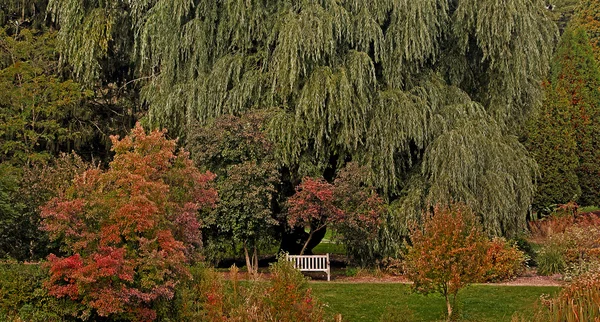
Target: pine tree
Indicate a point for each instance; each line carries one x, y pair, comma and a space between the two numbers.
430, 92
587, 17
565, 138
554, 147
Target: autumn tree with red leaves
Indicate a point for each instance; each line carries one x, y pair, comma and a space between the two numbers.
129, 231
447, 253
349, 205
313, 207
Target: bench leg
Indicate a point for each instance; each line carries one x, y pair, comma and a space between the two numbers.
328, 269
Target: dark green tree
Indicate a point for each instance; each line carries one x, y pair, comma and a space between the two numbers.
565, 138
239, 152
39, 113
553, 144
23, 190
42, 114
427, 92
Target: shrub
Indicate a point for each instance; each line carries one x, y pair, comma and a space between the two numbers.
129, 231
286, 297
393, 266
23, 297
561, 218
448, 253
20, 237
238, 151
576, 247
505, 259
551, 260
363, 208
528, 247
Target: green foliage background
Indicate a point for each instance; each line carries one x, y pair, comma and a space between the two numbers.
431, 93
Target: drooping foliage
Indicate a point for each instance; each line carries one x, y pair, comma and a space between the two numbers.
564, 137
392, 84
238, 151
127, 232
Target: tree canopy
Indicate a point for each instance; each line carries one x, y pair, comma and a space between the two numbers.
433, 89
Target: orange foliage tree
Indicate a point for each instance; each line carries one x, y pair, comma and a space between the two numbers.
128, 231
448, 253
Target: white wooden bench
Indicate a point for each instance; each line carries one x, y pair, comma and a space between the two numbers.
311, 263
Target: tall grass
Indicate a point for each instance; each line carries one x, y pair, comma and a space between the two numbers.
580, 301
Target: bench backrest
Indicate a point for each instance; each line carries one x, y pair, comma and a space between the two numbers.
310, 262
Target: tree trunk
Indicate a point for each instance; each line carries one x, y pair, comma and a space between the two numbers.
293, 242
255, 259
449, 307
310, 235
248, 262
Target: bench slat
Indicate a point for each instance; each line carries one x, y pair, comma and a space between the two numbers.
311, 263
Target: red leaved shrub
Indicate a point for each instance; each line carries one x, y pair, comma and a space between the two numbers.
564, 217
128, 231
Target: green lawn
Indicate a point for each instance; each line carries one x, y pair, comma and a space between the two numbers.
589, 209
331, 248
367, 302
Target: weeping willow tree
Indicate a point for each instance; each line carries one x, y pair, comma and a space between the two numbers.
429, 94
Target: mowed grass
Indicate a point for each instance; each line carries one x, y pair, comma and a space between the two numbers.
331, 248
369, 301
